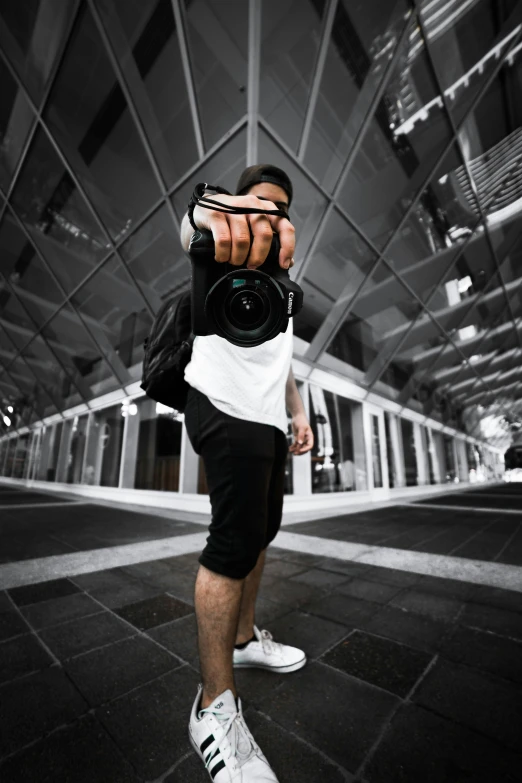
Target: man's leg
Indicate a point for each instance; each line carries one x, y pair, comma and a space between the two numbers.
218, 602
247, 614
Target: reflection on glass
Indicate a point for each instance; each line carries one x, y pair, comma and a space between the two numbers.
9, 457
26, 273
52, 378
115, 310
393, 475
14, 319
449, 454
54, 448
103, 448
376, 452
32, 34
15, 120
398, 150
97, 133
286, 70
76, 450
145, 41
432, 456
218, 41
409, 451
55, 214
364, 39
159, 447
20, 456
338, 462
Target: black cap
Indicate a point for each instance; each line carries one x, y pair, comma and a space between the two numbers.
264, 172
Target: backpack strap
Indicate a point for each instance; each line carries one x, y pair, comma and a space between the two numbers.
200, 199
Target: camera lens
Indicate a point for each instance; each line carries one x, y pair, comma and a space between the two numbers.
247, 309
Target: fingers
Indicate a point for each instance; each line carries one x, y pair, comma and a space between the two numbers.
262, 235
286, 233
303, 441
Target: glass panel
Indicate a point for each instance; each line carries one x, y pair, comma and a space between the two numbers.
20, 456
466, 45
144, 39
410, 454
338, 267
223, 168
56, 215
218, 40
156, 259
449, 453
113, 307
16, 118
17, 324
31, 34
287, 69
159, 447
91, 120
338, 463
376, 452
393, 475
32, 390
55, 452
7, 348
77, 450
103, 449
364, 39
9, 460
26, 273
77, 353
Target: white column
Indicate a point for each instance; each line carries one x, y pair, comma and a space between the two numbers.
189, 465
423, 476
129, 451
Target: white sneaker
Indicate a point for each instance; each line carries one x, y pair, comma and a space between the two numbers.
221, 738
264, 653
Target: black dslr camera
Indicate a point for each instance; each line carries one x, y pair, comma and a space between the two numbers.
245, 306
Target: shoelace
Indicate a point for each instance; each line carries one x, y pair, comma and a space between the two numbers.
231, 722
267, 640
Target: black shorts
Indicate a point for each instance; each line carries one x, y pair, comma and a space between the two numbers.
245, 469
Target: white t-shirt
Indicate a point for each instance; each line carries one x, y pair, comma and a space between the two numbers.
248, 383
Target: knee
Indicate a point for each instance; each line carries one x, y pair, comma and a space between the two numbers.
234, 559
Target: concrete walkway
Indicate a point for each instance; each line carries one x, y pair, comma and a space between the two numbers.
412, 676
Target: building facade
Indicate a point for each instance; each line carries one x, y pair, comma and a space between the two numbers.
400, 125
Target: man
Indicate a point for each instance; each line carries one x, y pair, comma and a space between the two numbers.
236, 419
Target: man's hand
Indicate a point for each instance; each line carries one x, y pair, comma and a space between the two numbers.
240, 238
303, 435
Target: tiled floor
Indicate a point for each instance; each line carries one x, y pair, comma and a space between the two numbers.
411, 679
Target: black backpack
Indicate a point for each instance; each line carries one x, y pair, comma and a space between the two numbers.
168, 349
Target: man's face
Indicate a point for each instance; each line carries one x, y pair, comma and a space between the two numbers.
270, 192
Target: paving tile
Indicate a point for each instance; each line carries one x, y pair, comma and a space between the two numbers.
299, 558
5, 603
490, 618
22, 655
288, 592
449, 588
123, 594
316, 577
370, 591
509, 600
154, 611
347, 567
346, 610
391, 576
436, 606
102, 580
418, 631
267, 611
387, 664
422, 747
43, 591
180, 637
102, 675
312, 634
35, 705
95, 757
11, 624
150, 725
306, 702
59, 610
87, 633
485, 651
282, 569
483, 702
290, 758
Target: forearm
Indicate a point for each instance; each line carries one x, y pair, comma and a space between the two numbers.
294, 402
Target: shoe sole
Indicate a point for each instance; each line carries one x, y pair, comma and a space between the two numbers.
291, 667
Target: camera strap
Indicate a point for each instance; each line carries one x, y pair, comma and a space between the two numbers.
200, 199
